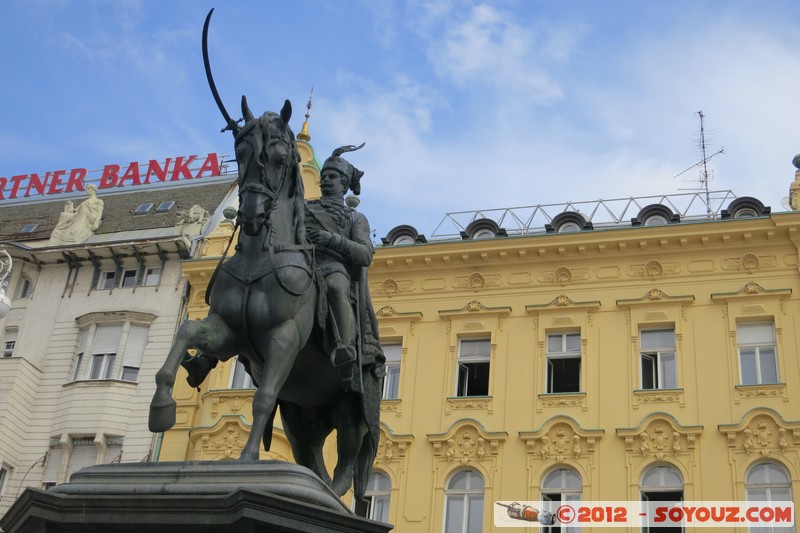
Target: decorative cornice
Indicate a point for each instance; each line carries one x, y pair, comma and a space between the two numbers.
387, 312
561, 302
763, 431
655, 296
474, 307
104, 317
561, 437
659, 434
466, 440
750, 290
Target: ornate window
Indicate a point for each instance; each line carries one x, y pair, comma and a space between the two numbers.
657, 357
378, 495
473, 367
562, 485
758, 363
662, 484
391, 383
463, 505
563, 362
768, 482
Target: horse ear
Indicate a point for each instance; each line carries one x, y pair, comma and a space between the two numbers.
246, 113
286, 112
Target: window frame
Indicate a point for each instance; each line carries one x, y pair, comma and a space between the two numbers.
565, 494
126, 275
103, 280
465, 496
9, 352
393, 366
563, 354
114, 363
5, 476
24, 287
768, 487
237, 370
152, 272
375, 494
656, 355
757, 347
462, 389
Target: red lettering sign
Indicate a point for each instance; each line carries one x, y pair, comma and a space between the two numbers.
53, 183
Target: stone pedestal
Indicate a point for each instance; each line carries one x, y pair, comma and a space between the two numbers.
196, 497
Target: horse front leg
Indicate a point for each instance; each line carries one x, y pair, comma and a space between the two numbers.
212, 336
280, 351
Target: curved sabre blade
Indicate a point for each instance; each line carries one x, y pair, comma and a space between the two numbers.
231, 123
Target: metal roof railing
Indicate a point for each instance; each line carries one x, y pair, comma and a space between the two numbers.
691, 206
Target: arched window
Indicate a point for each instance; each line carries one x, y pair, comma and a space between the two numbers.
663, 484
378, 493
562, 485
463, 503
768, 482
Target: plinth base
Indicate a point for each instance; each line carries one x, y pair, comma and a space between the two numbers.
196, 497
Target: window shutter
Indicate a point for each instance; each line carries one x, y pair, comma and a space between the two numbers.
83, 341
107, 339
53, 464
84, 453
134, 349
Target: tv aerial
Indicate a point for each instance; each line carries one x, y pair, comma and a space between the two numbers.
703, 164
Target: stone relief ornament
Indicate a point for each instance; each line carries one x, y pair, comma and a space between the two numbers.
465, 444
476, 281
653, 269
75, 225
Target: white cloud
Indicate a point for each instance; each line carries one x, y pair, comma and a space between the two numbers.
489, 48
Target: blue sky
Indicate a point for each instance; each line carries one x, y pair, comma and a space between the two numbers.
463, 104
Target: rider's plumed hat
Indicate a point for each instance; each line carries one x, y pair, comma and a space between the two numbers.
344, 167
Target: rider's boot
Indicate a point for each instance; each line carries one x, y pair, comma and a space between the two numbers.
343, 358
198, 368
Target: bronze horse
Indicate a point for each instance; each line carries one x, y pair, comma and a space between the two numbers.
263, 307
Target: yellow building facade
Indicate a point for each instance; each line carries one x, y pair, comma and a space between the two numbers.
602, 364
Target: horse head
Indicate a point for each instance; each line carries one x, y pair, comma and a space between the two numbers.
265, 152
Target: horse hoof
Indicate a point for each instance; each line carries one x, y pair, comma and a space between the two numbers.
162, 416
340, 487
247, 456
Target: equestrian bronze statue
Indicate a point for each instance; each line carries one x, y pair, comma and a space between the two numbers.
292, 303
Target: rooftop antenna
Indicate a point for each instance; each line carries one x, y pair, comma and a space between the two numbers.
703, 163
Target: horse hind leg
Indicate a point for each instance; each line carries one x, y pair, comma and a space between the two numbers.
212, 336
350, 432
306, 435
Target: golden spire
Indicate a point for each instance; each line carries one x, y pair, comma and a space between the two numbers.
304, 135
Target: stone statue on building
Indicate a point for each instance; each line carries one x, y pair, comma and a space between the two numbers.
194, 215
75, 225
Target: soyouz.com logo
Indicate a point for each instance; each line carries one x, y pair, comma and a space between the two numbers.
779, 514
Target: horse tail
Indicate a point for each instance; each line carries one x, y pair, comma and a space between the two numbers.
362, 470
